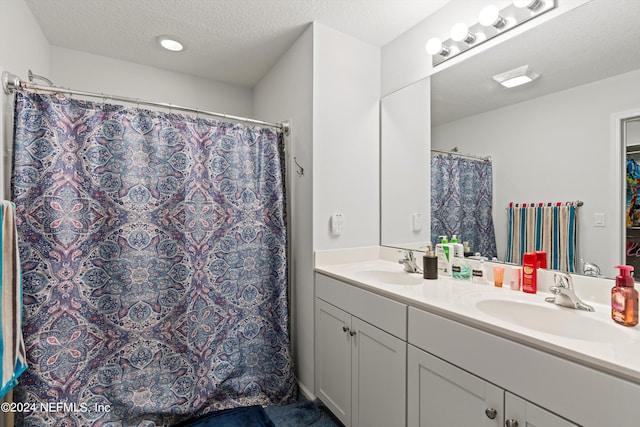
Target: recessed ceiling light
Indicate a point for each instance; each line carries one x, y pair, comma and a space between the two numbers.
170, 43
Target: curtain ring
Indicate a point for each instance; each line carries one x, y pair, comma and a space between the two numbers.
138, 104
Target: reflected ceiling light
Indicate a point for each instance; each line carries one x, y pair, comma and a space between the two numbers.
460, 33
490, 17
170, 43
529, 4
516, 77
435, 47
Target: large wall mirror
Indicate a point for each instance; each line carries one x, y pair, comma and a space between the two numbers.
551, 140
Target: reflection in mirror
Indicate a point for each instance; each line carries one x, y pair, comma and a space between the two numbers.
404, 170
631, 135
550, 140
461, 201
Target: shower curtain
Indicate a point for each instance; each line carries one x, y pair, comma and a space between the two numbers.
461, 202
153, 249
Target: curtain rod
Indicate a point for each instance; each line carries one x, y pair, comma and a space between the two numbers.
454, 152
11, 83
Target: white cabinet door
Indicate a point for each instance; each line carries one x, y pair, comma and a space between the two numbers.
379, 362
333, 359
521, 413
442, 395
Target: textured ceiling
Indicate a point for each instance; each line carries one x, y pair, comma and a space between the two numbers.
234, 41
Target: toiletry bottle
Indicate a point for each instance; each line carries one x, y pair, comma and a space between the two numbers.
467, 249
541, 257
479, 274
430, 264
516, 277
458, 248
457, 257
529, 273
443, 253
460, 268
624, 298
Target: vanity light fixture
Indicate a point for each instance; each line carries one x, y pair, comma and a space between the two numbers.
491, 23
170, 43
460, 33
516, 77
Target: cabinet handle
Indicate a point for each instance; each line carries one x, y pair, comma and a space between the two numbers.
345, 328
352, 333
511, 423
491, 413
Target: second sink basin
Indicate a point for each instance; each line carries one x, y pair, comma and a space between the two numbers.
553, 319
390, 277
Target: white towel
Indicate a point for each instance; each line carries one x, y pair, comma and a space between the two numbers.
12, 350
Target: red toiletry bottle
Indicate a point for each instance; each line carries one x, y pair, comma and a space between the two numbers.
624, 298
529, 272
541, 256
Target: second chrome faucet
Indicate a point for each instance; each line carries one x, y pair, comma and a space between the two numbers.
564, 293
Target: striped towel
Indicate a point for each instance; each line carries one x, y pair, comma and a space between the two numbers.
12, 350
552, 229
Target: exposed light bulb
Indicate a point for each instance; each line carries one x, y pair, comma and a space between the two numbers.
435, 47
490, 17
460, 32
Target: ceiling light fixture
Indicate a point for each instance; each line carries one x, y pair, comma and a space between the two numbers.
170, 43
516, 77
491, 23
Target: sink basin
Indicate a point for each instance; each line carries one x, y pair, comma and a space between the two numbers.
553, 319
390, 277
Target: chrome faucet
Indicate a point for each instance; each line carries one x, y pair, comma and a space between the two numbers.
409, 262
564, 294
590, 268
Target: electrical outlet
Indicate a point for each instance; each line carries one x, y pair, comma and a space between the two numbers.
337, 224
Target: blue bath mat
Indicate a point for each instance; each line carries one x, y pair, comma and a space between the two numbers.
249, 416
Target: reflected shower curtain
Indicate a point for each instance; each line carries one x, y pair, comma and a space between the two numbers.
461, 202
153, 249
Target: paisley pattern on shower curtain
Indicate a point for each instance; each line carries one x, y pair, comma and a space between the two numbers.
153, 249
461, 202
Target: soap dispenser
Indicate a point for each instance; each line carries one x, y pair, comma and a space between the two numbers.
624, 298
430, 264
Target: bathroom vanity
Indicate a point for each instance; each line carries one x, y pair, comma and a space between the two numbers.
395, 349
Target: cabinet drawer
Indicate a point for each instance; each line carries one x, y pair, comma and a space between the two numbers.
384, 313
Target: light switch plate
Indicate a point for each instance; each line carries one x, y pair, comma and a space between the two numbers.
598, 219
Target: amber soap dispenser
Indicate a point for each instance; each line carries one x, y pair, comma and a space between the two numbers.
624, 298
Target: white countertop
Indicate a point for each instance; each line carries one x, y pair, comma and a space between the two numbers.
602, 344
